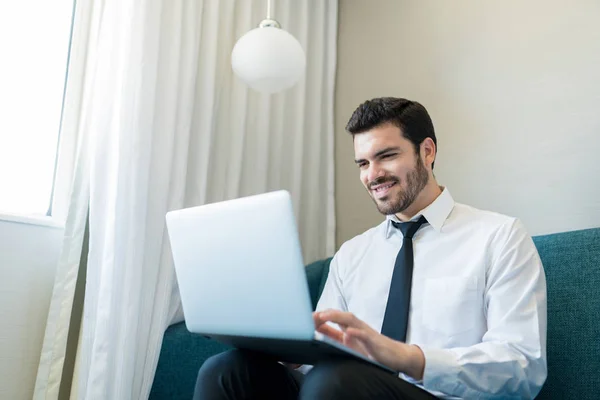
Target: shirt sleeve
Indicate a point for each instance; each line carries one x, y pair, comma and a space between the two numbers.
511, 359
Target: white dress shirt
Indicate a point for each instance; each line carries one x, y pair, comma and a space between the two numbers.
478, 301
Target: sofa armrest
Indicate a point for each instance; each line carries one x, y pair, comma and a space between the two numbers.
181, 356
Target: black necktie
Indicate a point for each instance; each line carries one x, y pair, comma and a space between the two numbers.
395, 320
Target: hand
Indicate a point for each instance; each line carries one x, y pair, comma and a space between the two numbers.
291, 365
359, 336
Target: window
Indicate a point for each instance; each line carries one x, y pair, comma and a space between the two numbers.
34, 38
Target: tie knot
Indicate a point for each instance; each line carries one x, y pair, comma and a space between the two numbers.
409, 229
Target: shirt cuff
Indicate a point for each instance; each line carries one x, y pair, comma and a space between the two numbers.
441, 370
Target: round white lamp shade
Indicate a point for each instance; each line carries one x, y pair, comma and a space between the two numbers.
268, 59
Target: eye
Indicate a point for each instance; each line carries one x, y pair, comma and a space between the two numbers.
362, 165
389, 155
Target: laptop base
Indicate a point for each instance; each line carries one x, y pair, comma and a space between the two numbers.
297, 351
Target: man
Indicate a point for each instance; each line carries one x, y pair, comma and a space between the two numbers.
452, 297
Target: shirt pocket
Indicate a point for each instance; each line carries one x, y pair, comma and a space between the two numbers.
450, 305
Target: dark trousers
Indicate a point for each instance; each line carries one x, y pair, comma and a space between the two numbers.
238, 374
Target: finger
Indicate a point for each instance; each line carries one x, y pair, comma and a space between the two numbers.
350, 341
355, 344
372, 341
360, 334
341, 318
333, 333
318, 317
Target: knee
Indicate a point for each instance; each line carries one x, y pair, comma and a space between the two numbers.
221, 365
233, 374
329, 380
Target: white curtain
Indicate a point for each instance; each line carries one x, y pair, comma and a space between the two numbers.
161, 123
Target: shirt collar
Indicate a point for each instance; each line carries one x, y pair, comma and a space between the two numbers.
436, 213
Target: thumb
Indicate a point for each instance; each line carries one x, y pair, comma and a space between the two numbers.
359, 334
367, 338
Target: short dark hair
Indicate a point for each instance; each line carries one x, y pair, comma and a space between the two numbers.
411, 117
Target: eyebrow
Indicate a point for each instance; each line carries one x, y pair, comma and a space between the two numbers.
379, 153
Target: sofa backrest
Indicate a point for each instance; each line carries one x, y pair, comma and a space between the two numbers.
316, 275
572, 264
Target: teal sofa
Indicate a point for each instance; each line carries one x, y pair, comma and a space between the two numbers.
572, 264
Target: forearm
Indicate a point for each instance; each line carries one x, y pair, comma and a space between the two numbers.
491, 368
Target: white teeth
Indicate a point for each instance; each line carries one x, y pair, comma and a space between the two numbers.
379, 189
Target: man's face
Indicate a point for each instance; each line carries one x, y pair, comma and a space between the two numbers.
390, 169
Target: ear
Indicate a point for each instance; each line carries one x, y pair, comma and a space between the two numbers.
428, 151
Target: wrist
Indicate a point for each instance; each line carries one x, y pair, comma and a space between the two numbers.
413, 364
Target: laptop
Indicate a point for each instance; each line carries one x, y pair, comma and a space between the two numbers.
242, 281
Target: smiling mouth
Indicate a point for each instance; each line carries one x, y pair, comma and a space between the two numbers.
381, 190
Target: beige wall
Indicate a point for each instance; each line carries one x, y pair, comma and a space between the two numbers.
513, 88
28, 257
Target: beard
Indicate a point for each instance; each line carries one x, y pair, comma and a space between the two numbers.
416, 180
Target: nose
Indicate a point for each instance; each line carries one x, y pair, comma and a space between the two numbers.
374, 172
